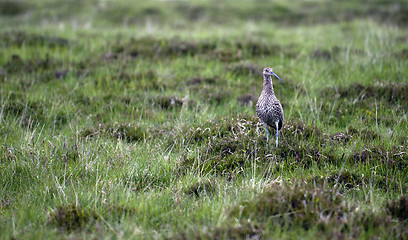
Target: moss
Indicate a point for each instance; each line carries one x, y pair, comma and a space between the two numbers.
6, 154
345, 103
123, 131
258, 49
153, 48
33, 112
61, 74
209, 90
227, 55
391, 93
20, 38
353, 131
343, 179
12, 8
146, 79
147, 179
310, 206
237, 231
28, 113
369, 135
222, 157
127, 132
149, 74
225, 141
398, 208
191, 12
200, 188
366, 154
230, 231
118, 211
5, 203
202, 80
245, 68
247, 99
71, 217
348, 179
403, 54
396, 157
171, 102
300, 204
130, 14
321, 54
225, 155
47, 67
306, 144
341, 137
228, 143
69, 152
17, 179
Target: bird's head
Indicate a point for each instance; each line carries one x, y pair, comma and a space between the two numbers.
268, 72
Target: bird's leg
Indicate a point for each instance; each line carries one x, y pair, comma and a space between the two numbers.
267, 132
277, 132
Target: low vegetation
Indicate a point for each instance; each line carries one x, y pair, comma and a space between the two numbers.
137, 121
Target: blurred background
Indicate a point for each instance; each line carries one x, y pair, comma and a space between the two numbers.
151, 15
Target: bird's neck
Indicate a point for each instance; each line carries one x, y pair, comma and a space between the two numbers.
267, 84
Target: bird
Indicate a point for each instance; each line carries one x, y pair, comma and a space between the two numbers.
268, 107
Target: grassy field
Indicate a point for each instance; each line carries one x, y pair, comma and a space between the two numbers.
136, 120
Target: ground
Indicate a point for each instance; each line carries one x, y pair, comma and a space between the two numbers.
136, 120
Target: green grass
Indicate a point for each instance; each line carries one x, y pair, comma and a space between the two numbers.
124, 120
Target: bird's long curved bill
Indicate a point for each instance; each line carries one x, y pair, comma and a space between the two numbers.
277, 77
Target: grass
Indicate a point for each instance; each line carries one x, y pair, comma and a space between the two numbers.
126, 121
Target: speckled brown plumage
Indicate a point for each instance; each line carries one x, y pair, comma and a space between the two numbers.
268, 107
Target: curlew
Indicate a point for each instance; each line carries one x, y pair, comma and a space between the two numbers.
268, 107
